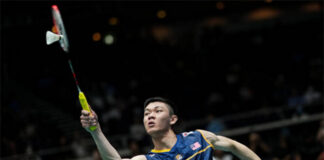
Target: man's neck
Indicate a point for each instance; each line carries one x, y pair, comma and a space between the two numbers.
164, 140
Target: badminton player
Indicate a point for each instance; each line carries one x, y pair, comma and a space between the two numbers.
159, 117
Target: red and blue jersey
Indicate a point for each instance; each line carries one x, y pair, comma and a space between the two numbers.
189, 146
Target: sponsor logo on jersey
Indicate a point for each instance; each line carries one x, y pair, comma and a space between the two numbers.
178, 157
185, 134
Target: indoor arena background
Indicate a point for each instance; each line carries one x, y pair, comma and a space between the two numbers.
252, 71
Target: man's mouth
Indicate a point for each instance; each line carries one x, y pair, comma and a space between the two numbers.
151, 124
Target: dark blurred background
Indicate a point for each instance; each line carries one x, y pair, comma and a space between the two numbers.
249, 70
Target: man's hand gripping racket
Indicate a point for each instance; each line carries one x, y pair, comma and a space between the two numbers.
61, 36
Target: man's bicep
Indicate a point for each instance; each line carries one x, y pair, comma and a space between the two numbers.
139, 157
218, 142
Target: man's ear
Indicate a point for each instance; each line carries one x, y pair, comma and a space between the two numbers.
174, 119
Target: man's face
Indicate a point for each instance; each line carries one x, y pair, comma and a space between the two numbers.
156, 118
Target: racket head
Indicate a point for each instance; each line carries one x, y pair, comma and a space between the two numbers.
59, 26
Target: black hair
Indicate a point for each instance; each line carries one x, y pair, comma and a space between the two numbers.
170, 104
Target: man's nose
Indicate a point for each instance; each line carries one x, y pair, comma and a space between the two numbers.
151, 116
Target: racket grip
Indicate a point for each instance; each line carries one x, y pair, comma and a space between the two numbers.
85, 106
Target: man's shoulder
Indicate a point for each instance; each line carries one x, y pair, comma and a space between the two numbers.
197, 132
185, 134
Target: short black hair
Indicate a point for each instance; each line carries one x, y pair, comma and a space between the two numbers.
170, 104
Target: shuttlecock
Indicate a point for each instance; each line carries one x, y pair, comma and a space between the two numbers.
52, 37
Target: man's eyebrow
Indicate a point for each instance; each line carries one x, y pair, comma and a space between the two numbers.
146, 109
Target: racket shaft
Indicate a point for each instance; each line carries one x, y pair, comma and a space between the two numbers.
85, 106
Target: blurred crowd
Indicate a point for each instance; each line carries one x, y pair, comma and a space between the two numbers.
211, 73
120, 113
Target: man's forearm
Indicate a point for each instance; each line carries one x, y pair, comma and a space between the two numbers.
106, 150
243, 152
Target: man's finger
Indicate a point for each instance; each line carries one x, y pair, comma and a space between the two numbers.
84, 117
85, 122
93, 112
84, 112
85, 125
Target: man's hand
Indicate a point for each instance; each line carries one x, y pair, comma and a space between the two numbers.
88, 120
106, 150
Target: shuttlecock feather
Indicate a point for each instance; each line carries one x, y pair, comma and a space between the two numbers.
52, 37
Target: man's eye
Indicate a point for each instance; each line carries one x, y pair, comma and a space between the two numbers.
159, 111
145, 114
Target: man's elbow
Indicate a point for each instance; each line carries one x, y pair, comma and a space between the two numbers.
242, 151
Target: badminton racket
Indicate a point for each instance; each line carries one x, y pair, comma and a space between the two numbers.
61, 36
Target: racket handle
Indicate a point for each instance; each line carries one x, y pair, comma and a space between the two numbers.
85, 106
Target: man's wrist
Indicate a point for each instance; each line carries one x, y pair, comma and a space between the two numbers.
96, 131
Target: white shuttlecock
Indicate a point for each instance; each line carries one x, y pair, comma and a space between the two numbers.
52, 37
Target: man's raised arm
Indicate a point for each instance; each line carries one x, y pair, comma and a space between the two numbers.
106, 150
227, 144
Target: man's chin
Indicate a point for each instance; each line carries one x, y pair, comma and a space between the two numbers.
153, 131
